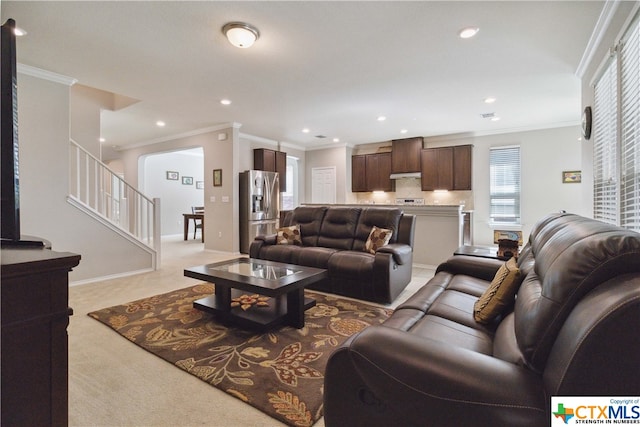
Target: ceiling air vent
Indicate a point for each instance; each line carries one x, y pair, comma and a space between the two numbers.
320, 136
488, 115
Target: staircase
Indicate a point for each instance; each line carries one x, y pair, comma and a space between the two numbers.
103, 194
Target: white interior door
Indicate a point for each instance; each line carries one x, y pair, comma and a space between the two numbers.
323, 185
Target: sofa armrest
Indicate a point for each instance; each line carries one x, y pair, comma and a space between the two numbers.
401, 252
268, 239
481, 268
260, 241
404, 379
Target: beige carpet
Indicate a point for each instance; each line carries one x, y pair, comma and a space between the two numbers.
113, 383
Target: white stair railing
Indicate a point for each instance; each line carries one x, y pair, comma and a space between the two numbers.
106, 193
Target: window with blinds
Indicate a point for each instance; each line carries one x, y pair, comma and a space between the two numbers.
504, 185
616, 133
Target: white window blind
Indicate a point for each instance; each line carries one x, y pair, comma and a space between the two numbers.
630, 131
616, 133
504, 185
605, 153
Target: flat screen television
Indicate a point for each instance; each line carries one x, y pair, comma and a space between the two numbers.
9, 163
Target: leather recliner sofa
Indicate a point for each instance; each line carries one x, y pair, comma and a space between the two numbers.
572, 331
334, 238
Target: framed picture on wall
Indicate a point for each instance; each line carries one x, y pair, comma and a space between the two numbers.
571, 177
200, 185
217, 177
172, 175
187, 180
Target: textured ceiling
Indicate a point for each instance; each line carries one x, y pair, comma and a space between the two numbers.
332, 67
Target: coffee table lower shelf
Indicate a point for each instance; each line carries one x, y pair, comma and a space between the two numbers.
256, 317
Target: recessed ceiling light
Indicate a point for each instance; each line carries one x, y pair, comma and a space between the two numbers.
336, 139
403, 131
495, 119
468, 32
160, 123
381, 118
305, 130
19, 32
489, 100
102, 140
225, 101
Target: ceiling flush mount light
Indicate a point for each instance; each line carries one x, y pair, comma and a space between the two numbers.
468, 32
240, 34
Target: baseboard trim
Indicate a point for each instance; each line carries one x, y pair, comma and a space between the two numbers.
109, 277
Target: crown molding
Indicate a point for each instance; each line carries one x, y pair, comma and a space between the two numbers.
603, 23
45, 75
173, 137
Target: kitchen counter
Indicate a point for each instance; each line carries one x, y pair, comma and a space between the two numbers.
438, 230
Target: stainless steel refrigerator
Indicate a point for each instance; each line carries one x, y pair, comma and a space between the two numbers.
259, 205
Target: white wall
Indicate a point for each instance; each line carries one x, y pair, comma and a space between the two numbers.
545, 154
176, 197
44, 131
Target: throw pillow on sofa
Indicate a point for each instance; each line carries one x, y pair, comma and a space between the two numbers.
378, 237
499, 294
289, 236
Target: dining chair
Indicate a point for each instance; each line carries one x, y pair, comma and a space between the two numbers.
197, 222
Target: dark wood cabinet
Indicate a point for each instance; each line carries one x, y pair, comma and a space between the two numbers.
35, 315
272, 161
462, 167
437, 168
378, 172
370, 172
406, 155
359, 173
446, 168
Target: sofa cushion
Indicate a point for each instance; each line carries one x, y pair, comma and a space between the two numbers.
281, 253
500, 294
289, 235
388, 218
317, 257
377, 238
309, 218
339, 228
352, 265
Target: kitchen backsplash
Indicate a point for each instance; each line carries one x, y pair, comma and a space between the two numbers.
410, 188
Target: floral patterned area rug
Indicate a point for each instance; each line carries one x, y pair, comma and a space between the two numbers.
280, 372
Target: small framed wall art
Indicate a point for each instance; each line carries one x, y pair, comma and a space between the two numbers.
187, 180
571, 177
172, 175
217, 177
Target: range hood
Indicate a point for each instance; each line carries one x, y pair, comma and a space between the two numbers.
415, 175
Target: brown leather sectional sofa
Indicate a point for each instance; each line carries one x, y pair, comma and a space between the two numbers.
572, 331
334, 238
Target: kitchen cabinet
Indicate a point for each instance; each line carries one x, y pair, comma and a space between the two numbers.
446, 168
359, 173
462, 167
272, 161
437, 168
370, 172
405, 155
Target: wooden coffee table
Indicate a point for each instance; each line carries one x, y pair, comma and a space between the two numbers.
237, 280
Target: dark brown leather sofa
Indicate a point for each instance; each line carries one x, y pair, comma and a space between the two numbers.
334, 238
572, 331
